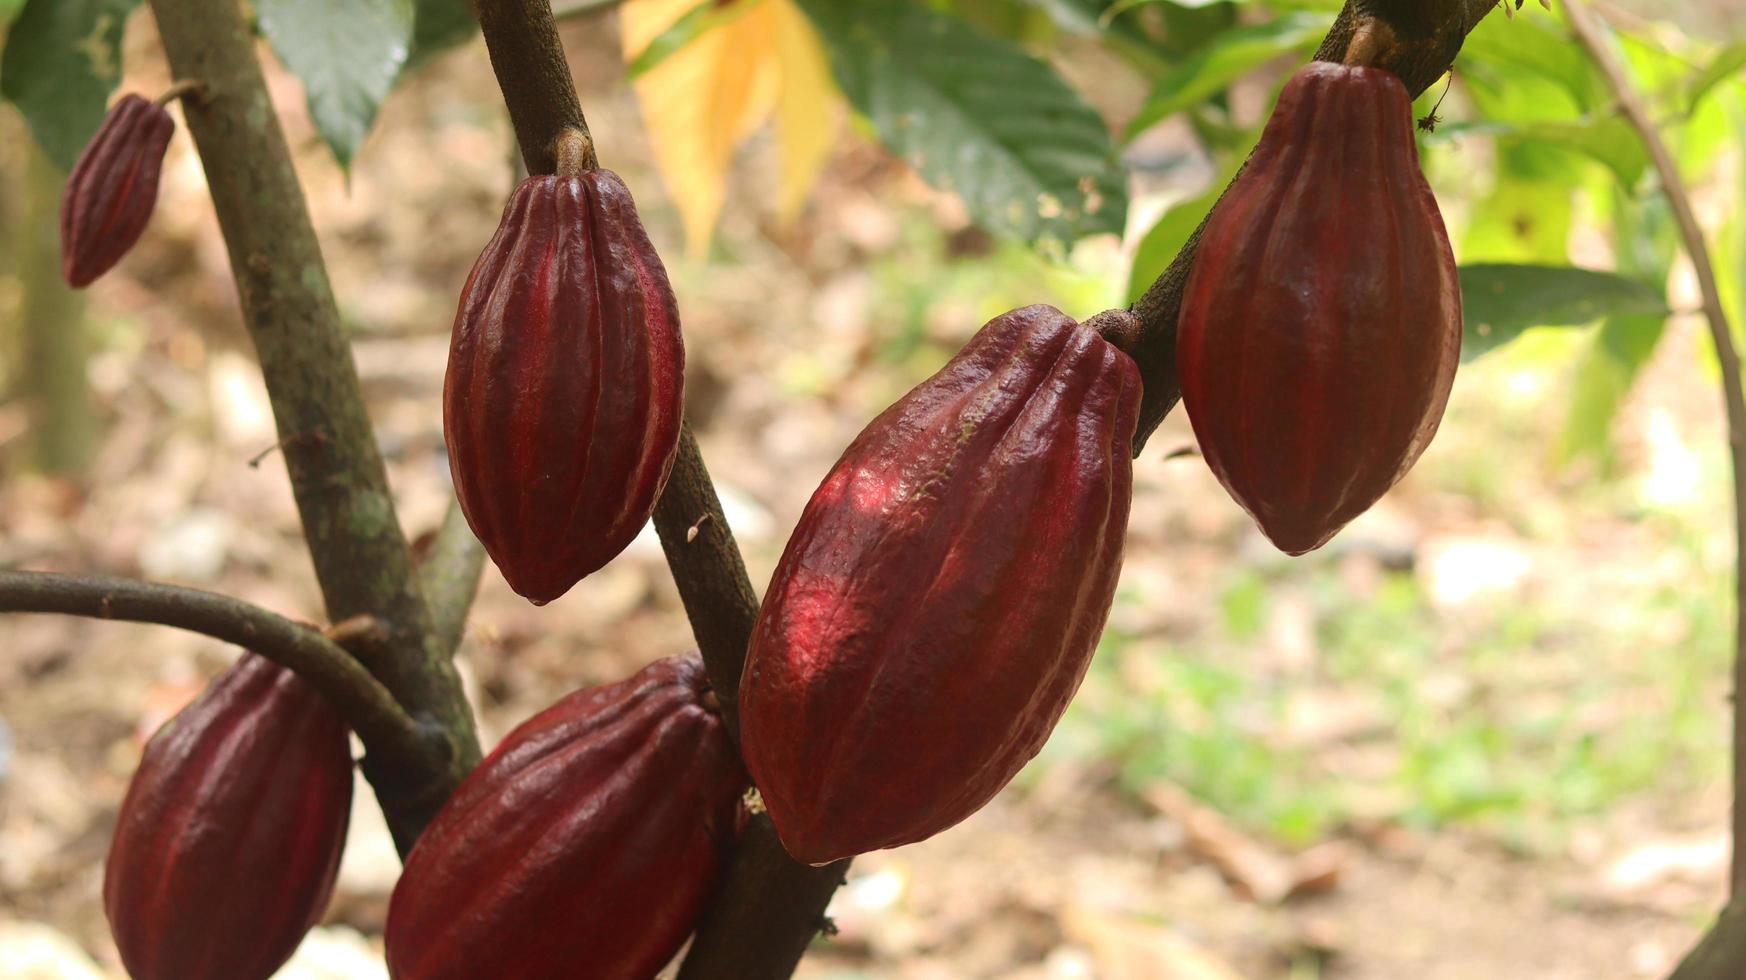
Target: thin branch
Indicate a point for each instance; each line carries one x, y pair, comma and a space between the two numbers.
528, 58
709, 572
1427, 35
450, 577
365, 704
1673, 187
341, 487
744, 940
1594, 40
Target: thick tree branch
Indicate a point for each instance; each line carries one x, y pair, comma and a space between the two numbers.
740, 937
361, 558
450, 574
365, 704
1426, 36
1722, 953
1719, 954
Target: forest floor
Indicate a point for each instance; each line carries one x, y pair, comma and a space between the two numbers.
1482, 736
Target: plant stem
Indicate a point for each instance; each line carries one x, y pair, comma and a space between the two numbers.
450, 574
1593, 39
770, 906
529, 62
365, 704
361, 558
1426, 36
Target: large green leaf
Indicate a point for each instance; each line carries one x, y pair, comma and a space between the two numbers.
1646, 244
347, 53
979, 117
1222, 61
9, 9
1500, 301
1729, 64
1510, 50
1608, 140
438, 25
1158, 249
62, 59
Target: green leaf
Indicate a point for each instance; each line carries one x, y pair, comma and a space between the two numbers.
1727, 65
1511, 49
1158, 249
347, 53
1226, 58
62, 59
1500, 301
438, 25
1603, 378
693, 24
1521, 221
979, 117
9, 9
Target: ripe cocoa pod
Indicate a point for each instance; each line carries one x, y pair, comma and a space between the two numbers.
112, 189
227, 843
562, 403
583, 846
939, 601
1321, 325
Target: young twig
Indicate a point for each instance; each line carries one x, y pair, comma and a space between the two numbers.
1712, 963
365, 704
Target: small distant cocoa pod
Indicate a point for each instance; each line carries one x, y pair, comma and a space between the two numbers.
229, 838
562, 403
1321, 324
113, 187
939, 601
583, 846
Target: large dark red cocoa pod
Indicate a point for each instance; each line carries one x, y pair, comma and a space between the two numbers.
113, 187
1321, 325
583, 846
228, 841
939, 601
565, 383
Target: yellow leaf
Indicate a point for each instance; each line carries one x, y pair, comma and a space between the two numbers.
702, 100
807, 115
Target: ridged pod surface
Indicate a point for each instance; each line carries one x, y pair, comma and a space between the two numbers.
939, 601
562, 403
583, 846
113, 188
227, 843
1321, 325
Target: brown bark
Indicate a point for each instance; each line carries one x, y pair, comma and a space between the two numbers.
361, 557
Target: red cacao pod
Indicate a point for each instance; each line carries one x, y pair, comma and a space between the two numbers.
583, 846
112, 189
939, 601
562, 403
1321, 325
230, 835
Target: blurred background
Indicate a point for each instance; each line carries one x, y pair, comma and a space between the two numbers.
1482, 734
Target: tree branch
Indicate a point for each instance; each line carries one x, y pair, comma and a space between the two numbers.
709, 571
361, 559
528, 59
450, 574
365, 704
1719, 954
1427, 35
771, 905
1722, 953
